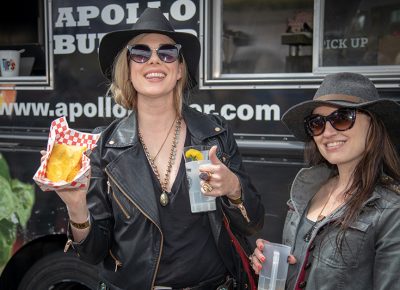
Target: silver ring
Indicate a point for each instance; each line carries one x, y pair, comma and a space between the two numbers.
251, 259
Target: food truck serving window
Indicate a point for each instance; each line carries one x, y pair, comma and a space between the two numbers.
358, 35
294, 43
25, 46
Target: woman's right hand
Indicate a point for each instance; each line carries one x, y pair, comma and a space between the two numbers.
257, 258
74, 199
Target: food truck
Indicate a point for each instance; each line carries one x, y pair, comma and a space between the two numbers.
259, 57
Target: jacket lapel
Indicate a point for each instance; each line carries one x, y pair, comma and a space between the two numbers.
129, 169
134, 179
306, 184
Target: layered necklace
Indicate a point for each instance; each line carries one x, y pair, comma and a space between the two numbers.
164, 199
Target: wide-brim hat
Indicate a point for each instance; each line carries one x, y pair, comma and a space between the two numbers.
348, 90
152, 20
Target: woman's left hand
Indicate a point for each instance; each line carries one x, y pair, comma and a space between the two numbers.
217, 179
257, 259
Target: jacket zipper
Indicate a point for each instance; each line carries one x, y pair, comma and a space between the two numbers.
243, 211
146, 215
67, 245
118, 263
109, 190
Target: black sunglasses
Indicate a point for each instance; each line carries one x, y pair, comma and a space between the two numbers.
342, 119
141, 53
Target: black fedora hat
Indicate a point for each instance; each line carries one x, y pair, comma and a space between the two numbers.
350, 90
152, 20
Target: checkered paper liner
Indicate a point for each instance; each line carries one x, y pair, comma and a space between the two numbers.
60, 133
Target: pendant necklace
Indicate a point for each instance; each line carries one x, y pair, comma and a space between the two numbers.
166, 137
164, 199
320, 218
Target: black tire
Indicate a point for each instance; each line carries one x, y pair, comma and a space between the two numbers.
60, 271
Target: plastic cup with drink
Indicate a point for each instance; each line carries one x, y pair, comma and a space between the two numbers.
195, 156
274, 271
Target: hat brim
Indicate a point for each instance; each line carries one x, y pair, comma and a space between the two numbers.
113, 42
387, 110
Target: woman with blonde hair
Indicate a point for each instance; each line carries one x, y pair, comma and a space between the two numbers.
134, 219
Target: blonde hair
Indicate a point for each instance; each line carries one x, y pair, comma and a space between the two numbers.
125, 94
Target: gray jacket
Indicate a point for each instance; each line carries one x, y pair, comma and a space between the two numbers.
370, 257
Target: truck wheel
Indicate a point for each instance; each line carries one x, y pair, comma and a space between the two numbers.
60, 271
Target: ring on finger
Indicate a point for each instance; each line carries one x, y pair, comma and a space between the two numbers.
251, 259
205, 175
207, 187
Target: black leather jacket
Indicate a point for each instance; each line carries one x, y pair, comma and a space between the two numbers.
125, 236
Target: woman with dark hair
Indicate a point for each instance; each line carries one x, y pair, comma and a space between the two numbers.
343, 222
134, 219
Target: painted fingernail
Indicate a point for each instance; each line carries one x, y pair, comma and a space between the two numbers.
262, 259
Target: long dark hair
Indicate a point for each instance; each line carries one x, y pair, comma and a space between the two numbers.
379, 165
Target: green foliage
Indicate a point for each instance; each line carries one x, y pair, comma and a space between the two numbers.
6, 199
24, 196
7, 238
16, 202
4, 171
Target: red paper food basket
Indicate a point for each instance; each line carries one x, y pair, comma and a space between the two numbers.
60, 133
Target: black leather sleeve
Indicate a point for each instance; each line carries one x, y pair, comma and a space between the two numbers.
96, 245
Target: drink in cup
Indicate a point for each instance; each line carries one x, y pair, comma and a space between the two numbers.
274, 270
194, 157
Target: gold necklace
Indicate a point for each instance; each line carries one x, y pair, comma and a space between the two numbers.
319, 219
164, 199
166, 137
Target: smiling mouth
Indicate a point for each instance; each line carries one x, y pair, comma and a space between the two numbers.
334, 144
155, 75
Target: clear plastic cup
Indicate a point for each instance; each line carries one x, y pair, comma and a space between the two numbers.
194, 157
274, 271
